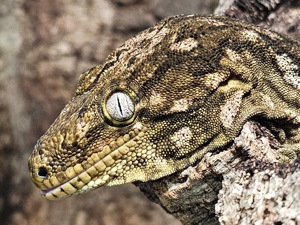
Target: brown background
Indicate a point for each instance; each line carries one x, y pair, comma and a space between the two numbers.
44, 46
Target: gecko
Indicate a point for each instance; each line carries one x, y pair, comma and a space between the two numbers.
165, 98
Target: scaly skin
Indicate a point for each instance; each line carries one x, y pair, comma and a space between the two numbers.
172, 93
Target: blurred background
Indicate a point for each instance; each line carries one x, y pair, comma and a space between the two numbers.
44, 46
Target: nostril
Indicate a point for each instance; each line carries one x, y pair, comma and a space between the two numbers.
42, 173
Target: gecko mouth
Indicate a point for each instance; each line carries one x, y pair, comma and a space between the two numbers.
90, 178
101, 170
63, 190
46, 192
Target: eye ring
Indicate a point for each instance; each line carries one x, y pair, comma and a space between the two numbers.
119, 107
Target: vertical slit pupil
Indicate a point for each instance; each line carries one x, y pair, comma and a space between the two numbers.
119, 105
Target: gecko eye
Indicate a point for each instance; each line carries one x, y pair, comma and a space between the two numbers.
119, 108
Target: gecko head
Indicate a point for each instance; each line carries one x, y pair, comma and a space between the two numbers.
104, 138
92, 143
139, 117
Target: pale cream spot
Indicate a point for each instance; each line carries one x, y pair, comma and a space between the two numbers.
82, 128
267, 100
251, 35
150, 75
138, 126
213, 80
231, 108
289, 69
156, 99
181, 105
156, 36
185, 45
233, 56
182, 137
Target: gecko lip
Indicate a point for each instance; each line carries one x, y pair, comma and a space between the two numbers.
46, 192
66, 188
63, 190
50, 193
90, 178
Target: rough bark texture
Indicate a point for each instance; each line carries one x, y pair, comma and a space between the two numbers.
243, 184
45, 45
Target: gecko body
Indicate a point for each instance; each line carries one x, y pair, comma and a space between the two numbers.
166, 97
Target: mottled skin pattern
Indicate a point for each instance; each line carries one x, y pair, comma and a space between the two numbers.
193, 81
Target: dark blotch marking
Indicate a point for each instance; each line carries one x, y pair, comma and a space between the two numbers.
131, 61
82, 111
